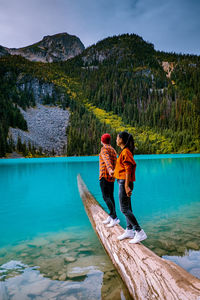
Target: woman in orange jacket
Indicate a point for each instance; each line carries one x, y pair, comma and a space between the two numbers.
125, 175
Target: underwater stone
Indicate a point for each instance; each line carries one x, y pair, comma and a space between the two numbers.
192, 245
63, 250
159, 251
181, 249
69, 259
85, 249
55, 277
85, 244
23, 254
63, 277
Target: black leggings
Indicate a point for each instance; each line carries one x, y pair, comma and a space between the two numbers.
125, 206
107, 189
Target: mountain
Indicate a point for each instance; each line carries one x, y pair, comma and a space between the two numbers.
120, 83
58, 47
117, 48
154, 93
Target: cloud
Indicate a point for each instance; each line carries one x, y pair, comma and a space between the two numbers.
171, 25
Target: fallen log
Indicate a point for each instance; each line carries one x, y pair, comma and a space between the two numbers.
146, 275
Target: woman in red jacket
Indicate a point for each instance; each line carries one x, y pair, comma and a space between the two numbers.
125, 175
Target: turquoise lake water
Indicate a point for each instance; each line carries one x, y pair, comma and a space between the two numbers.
44, 227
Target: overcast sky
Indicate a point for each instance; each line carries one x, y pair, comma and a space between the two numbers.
171, 25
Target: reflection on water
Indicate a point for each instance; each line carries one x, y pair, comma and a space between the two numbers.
32, 285
189, 262
59, 266
176, 234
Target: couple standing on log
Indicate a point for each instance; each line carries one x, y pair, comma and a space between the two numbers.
123, 169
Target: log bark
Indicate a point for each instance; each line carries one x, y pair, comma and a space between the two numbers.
146, 275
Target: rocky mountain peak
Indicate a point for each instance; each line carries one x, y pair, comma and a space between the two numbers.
51, 48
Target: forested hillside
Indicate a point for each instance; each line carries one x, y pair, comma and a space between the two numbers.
124, 75
84, 129
10, 99
119, 83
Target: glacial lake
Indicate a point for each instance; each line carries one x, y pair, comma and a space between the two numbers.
48, 249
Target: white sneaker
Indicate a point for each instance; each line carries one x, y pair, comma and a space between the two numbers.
107, 220
113, 222
139, 236
128, 234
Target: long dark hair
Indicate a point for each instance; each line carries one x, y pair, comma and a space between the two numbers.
128, 141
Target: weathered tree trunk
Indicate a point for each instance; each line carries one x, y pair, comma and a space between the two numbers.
146, 275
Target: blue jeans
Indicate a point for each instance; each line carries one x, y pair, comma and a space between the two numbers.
125, 206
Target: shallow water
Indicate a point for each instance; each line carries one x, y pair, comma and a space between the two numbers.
66, 265
47, 246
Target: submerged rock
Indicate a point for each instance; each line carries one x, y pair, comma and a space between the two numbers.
63, 250
63, 277
69, 259
181, 249
192, 245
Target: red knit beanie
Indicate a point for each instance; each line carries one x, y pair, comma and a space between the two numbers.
105, 138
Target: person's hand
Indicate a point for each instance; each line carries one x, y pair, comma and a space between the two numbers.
111, 172
128, 191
